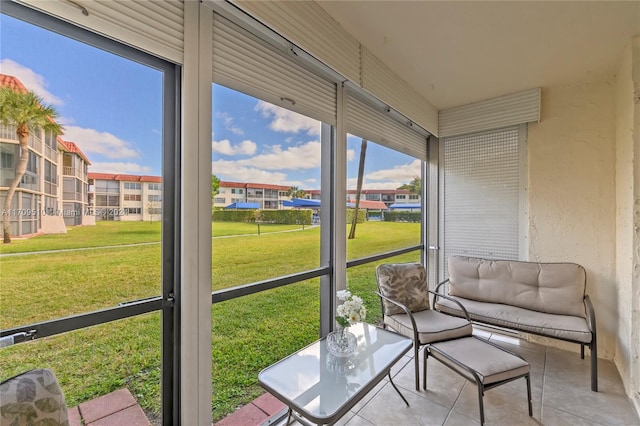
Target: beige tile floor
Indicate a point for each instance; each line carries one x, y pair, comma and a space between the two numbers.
560, 385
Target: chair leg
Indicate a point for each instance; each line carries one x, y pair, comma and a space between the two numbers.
581, 351
529, 395
594, 367
481, 402
416, 359
425, 355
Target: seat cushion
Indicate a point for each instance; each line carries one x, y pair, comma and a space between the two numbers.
563, 327
492, 364
406, 283
432, 326
33, 397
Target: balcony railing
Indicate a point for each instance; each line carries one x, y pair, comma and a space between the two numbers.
9, 132
35, 143
50, 188
71, 171
50, 153
72, 196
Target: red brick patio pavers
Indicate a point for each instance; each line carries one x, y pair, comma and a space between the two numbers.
120, 408
114, 409
254, 413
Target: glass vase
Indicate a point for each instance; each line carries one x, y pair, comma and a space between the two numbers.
341, 343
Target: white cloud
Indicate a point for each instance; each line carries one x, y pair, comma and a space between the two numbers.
30, 79
304, 156
228, 123
285, 121
388, 178
126, 168
353, 182
92, 141
234, 172
225, 147
351, 154
403, 173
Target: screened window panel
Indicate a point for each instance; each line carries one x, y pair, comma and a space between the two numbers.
243, 62
367, 122
481, 195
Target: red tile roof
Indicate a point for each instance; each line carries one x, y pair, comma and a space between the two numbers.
366, 204
17, 86
72, 147
366, 191
226, 184
268, 186
125, 177
14, 83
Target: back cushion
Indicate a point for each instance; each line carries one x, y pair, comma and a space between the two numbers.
405, 283
33, 398
555, 288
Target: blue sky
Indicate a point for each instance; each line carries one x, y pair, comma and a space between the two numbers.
111, 108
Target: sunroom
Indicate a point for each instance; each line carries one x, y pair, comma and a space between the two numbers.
534, 104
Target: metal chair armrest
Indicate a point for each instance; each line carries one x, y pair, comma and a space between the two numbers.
440, 284
406, 310
591, 313
436, 295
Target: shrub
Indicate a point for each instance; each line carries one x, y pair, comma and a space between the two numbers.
287, 217
234, 215
362, 215
402, 216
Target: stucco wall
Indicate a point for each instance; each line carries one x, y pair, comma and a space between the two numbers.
634, 385
571, 180
625, 165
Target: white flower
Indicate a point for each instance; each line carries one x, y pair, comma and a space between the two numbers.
343, 294
351, 310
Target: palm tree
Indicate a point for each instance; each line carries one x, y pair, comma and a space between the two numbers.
414, 187
27, 112
354, 221
295, 192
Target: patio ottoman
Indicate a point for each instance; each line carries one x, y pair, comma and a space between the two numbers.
482, 362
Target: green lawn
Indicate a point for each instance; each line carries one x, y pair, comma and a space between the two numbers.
248, 333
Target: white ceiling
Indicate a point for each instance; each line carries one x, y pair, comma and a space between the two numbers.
455, 53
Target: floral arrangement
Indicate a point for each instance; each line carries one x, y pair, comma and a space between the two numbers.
352, 309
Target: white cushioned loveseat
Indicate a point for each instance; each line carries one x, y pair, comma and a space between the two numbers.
547, 299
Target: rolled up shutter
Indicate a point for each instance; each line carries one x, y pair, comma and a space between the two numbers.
156, 27
365, 121
248, 64
496, 113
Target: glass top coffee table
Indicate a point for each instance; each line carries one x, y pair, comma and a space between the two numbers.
322, 388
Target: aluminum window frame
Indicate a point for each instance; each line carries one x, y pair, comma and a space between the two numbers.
171, 240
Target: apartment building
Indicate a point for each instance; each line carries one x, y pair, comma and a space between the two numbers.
387, 196
125, 197
39, 205
267, 196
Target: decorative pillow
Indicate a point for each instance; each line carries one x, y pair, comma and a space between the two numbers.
406, 283
33, 398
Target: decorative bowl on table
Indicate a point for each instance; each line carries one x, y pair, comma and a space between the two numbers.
341, 343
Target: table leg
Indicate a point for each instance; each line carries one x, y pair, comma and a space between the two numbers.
397, 390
